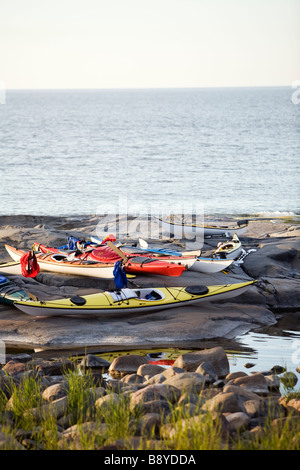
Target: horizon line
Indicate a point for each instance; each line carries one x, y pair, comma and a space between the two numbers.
145, 88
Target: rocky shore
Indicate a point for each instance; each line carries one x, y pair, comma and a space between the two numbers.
272, 257
162, 404
196, 396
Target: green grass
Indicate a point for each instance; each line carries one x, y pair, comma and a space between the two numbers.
104, 426
284, 435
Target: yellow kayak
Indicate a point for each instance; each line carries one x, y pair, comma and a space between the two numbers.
132, 300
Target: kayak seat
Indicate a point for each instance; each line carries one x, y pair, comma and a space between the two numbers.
153, 295
59, 257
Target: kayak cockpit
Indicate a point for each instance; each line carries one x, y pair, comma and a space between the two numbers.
150, 294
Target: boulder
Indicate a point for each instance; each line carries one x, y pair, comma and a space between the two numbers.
55, 409
273, 259
199, 422
8, 442
7, 385
216, 357
286, 424
289, 379
190, 398
161, 377
291, 404
208, 371
255, 383
234, 375
225, 403
14, 368
284, 293
155, 392
71, 438
173, 370
148, 424
155, 379
273, 382
237, 421
277, 369
128, 364
89, 427
161, 407
187, 382
90, 361
55, 391
242, 392
132, 379
150, 369
54, 367
269, 406
108, 402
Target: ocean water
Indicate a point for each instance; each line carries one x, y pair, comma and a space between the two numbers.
230, 150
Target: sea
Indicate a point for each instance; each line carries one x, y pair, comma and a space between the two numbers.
232, 151
223, 151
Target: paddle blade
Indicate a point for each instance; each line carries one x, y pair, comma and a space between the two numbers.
117, 250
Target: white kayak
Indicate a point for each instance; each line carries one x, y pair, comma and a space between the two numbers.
179, 230
58, 263
211, 265
230, 249
13, 267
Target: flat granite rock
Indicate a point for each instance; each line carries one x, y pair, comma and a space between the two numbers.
165, 328
275, 264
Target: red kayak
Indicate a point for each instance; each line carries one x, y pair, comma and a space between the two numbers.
140, 264
135, 263
163, 362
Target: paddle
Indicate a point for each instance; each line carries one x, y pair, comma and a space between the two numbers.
31, 296
117, 250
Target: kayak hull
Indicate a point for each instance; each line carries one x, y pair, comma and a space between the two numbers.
184, 230
141, 265
211, 265
11, 268
132, 300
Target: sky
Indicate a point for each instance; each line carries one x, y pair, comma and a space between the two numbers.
95, 44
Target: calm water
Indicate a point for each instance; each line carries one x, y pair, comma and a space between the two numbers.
265, 348
234, 151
